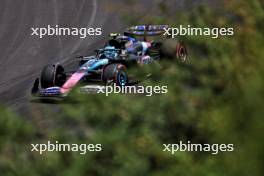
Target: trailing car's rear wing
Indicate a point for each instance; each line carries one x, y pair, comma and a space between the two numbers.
146, 30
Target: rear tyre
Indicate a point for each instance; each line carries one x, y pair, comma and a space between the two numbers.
115, 73
52, 75
181, 52
172, 49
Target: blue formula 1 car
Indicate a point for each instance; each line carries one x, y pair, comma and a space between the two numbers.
108, 65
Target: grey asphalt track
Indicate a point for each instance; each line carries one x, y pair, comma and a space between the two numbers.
22, 56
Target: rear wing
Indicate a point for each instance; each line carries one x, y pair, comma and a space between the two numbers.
146, 30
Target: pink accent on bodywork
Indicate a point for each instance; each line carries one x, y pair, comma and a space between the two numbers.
148, 44
72, 81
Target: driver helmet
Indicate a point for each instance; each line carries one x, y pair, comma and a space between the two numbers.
110, 52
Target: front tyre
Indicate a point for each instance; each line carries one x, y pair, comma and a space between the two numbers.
52, 75
116, 73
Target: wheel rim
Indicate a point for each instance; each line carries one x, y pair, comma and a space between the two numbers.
181, 52
122, 79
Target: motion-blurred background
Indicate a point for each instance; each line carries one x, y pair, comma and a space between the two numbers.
216, 97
